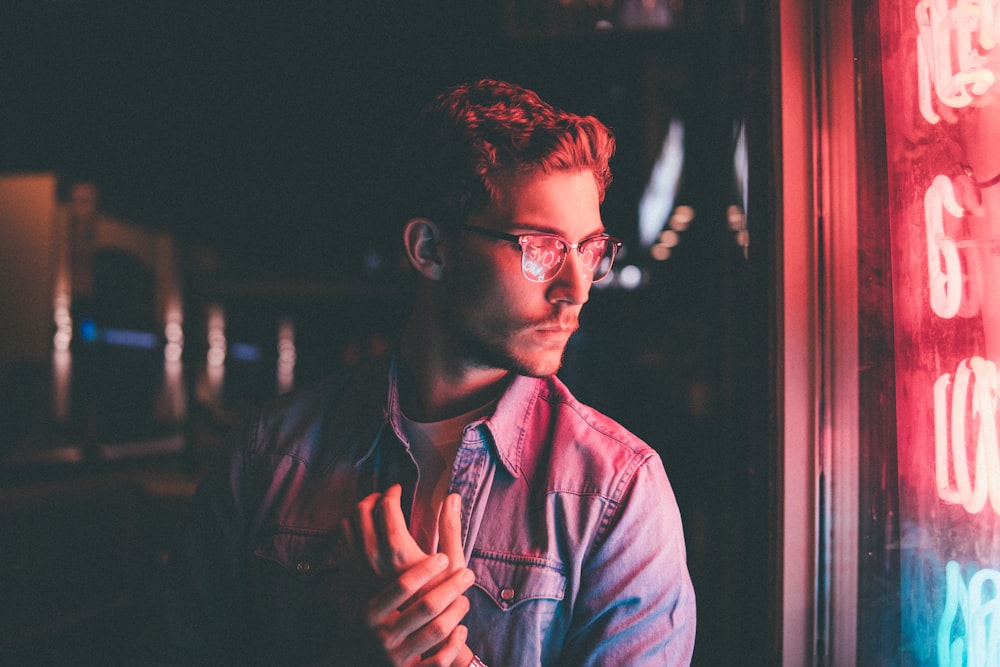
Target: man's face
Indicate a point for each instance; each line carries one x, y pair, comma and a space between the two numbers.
498, 318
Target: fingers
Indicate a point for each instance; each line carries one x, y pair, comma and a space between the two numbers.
430, 618
447, 654
440, 602
416, 615
450, 530
368, 529
405, 587
388, 546
427, 637
399, 549
450, 536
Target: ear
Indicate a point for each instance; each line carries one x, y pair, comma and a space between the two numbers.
423, 241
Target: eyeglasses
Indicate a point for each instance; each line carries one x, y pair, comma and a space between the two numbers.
542, 255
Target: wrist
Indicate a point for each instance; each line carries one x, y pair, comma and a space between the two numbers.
466, 658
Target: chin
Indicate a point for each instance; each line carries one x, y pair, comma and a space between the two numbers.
538, 360
521, 356
539, 367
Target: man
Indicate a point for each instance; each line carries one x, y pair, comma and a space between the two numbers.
459, 506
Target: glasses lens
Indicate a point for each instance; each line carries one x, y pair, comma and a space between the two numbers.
597, 255
541, 257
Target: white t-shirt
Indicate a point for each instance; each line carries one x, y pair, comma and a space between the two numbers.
434, 446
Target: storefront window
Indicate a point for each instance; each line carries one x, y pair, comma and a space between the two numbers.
940, 65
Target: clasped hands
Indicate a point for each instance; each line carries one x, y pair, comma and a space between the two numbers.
418, 599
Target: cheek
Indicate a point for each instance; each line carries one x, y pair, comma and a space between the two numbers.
492, 289
482, 276
494, 299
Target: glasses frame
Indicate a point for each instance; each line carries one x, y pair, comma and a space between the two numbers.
518, 240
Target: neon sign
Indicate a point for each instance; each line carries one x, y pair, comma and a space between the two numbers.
939, 71
944, 266
952, 48
973, 394
969, 632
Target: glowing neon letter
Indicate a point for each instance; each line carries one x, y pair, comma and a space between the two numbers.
953, 441
946, 284
956, 605
949, 63
979, 646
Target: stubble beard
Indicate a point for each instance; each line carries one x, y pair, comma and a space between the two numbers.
482, 352
486, 338
493, 344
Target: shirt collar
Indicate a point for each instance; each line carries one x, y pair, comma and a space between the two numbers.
509, 424
506, 428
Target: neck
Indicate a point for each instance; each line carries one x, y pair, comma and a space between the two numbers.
434, 382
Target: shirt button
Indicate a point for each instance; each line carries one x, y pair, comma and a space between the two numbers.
507, 594
304, 566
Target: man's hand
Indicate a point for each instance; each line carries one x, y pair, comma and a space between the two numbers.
416, 616
413, 615
386, 541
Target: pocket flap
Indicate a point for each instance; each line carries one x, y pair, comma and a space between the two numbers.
510, 579
301, 552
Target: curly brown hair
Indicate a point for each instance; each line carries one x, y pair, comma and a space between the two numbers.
454, 160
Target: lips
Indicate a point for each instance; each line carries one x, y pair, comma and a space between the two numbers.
558, 327
557, 330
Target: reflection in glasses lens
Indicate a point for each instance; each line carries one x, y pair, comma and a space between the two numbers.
543, 256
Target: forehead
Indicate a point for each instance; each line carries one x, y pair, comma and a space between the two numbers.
565, 202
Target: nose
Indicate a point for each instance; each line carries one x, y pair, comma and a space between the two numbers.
571, 285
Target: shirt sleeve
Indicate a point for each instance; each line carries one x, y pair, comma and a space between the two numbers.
636, 604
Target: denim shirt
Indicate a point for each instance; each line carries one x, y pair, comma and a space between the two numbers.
568, 522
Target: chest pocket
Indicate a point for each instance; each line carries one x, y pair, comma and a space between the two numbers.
304, 607
302, 553
511, 580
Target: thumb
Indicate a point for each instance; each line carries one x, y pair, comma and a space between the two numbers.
450, 531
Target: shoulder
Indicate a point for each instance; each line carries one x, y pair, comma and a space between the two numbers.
583, 422
337, 412
588, 449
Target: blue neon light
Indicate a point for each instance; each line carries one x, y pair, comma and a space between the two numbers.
143, 340
245, 352
88, 330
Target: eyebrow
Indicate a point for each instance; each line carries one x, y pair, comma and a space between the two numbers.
531, 228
